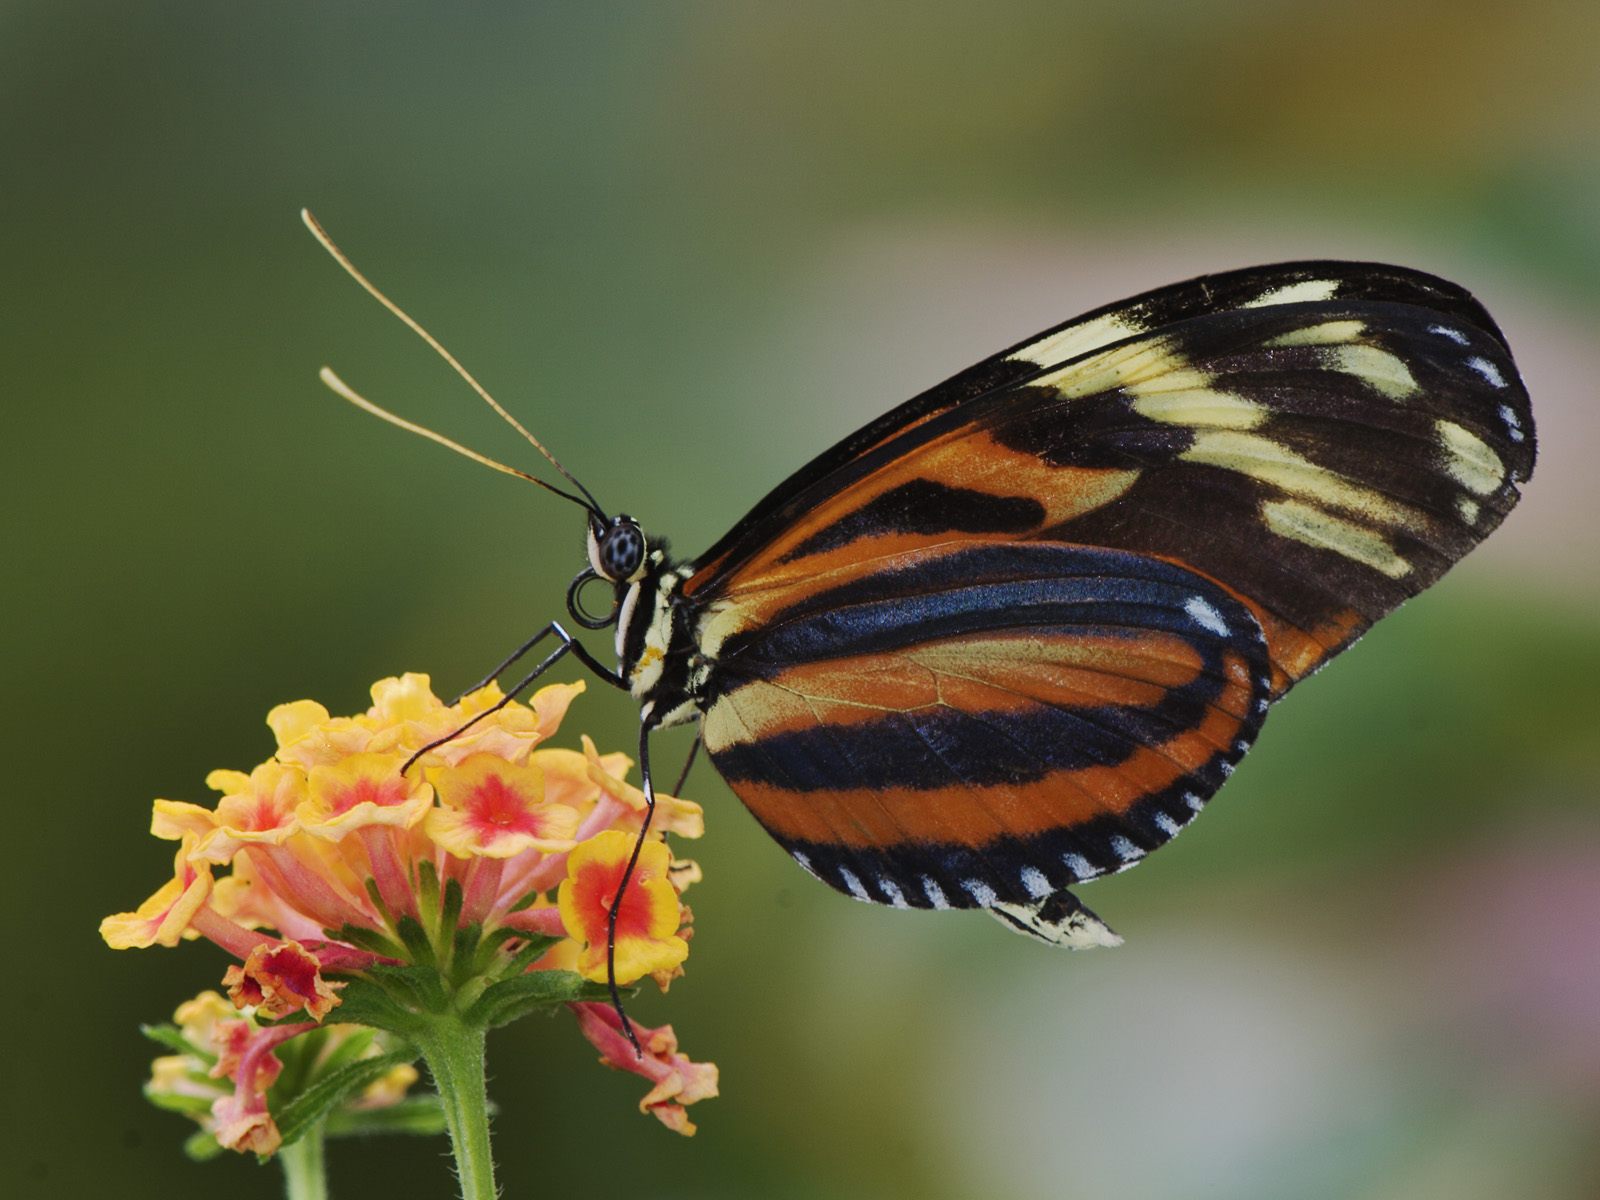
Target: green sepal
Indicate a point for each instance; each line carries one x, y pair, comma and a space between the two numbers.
463, 963
509, 999
371, 1002
537, 944
418, 946
348, 1050
376, 896
188, 1106
489, 946
201, 1147
450, 910
172, 1038
369, 940
421, 1116
527, 901
328, 1092
299, 1058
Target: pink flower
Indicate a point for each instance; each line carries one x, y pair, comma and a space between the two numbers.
676, 1080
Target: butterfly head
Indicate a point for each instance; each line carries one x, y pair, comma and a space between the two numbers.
620, 555
616, 548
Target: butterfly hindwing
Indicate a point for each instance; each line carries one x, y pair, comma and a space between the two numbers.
989, 722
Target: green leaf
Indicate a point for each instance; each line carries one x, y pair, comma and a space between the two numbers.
311, 1105
509, 999
419, 1115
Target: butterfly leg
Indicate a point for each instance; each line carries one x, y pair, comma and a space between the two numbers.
568, 645
553, 629
1060, 919
506, 662
688, 763
648, 787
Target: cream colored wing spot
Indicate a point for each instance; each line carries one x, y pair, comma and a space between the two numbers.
1469, 460
1078, 339
1314, 527
1468, 508
1261, 458
1198, 408
1329, 333
1374, 366
1183, 395
1162, 385
1305, 291
1124, 367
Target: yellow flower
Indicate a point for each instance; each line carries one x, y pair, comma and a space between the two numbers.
164, 918
333, 861
493, 808
647, 919
361, 790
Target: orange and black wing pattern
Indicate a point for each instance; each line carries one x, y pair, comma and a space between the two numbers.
1292, 451
987, 722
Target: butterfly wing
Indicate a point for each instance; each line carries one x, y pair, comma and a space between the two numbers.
1323, 459
988, 722
1282, 454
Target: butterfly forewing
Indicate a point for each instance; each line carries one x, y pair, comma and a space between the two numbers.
1251, 288
1323, 460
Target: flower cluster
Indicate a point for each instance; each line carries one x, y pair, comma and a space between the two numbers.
330, 869
227, 1065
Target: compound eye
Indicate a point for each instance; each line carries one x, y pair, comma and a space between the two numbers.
622, 551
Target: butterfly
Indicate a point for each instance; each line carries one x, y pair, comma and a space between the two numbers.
1013, 634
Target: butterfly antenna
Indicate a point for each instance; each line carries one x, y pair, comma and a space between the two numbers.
343, 390
339, 256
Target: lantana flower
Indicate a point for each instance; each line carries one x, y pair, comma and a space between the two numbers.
226, 1065
469, 886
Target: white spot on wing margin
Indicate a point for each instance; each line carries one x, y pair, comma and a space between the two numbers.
1205, 616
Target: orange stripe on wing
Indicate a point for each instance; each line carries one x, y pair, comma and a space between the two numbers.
995, 674
963, 458
976, 815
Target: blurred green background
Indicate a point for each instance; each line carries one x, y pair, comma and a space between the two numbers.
691, 245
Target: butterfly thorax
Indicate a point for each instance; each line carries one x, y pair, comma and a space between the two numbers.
657, 651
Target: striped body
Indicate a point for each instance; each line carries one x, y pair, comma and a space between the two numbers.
1015, 633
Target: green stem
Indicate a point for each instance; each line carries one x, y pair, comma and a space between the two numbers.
454, 1053
305, 1171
